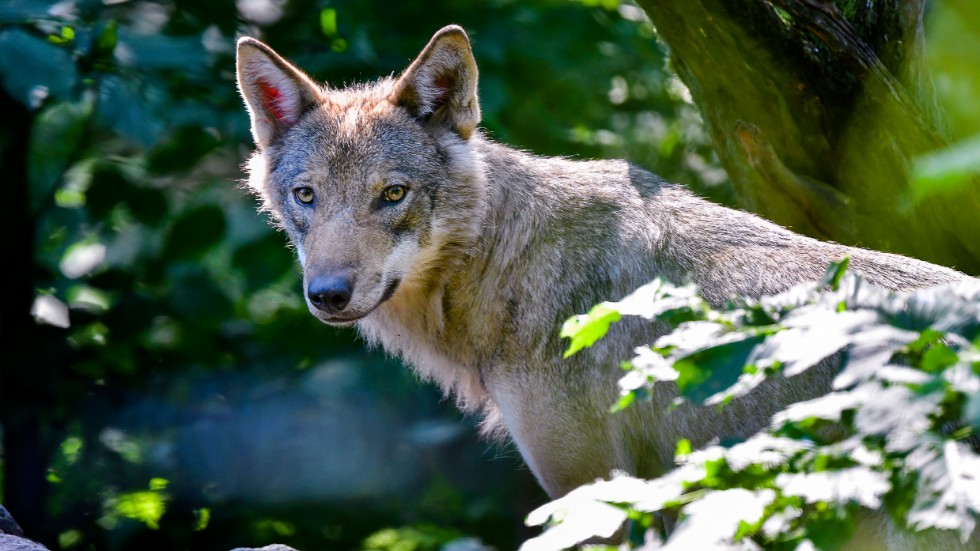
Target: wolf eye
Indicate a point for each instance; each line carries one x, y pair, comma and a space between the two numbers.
303, 195
395, 193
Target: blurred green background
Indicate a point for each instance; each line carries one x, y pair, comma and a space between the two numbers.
180, 393
172, 392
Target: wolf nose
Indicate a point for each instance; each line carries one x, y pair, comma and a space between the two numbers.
330, 294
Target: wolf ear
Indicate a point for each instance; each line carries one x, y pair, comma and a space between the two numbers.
276, 93
440, 85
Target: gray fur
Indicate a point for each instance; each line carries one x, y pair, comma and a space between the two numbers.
494, 248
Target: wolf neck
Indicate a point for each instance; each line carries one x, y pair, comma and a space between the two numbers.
536, 224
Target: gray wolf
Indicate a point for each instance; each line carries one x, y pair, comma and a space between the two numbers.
464, 256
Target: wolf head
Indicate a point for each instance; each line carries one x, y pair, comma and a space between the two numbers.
378, 186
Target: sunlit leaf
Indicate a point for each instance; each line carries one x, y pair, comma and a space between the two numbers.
712, 521
949, 488
763, 449
71, 447
147, 507
328, 22
203, 518
47, 309
829, 407
683, 447
158, 483
82, 258
584, 513
69, 538
898, 414
858, 484
948, 170
584, 330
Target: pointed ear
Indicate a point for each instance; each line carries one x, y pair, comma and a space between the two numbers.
276, 93
440, 85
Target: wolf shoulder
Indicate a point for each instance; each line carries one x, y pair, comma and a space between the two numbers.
625, 209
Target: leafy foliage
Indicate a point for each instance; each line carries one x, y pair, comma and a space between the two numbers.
897, 433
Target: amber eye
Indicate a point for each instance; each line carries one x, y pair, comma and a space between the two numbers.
304, 195
396, 193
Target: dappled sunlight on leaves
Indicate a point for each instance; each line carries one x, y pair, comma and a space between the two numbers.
896, 430
949, 487
586, 329
859, 484
588, 511
711, 521
144, 506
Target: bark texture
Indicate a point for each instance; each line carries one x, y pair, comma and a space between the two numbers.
816, 109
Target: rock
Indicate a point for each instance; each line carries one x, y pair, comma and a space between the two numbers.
16, 543
7, 523
11, 532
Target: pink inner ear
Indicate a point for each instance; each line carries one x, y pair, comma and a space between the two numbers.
271, 100
444, 82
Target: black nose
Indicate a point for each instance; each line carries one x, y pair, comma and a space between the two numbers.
330, 293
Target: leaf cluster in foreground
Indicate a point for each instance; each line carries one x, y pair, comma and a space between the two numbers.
897, 433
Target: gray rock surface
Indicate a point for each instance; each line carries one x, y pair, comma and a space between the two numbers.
15, 543
7, 523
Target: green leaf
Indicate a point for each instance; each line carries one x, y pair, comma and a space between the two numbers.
55, 142
948, 170
835, 272
107, 40
203, 517
67, 35
182, 149
328, 22
624, 402
683, 448
158, 483
195, 233
146, 506
926, 339
948, 493
858, 484
264, 261
938, 357
714, 369
584, 330
114, 183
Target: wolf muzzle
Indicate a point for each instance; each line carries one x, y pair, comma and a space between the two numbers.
330, 293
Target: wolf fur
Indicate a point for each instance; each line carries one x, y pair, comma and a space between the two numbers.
469, 276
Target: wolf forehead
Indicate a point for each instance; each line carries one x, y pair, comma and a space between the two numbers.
357, 133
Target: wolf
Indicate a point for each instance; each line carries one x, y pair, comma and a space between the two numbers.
464, 256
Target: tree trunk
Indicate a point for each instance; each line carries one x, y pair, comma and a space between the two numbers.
816, 109
25, 370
